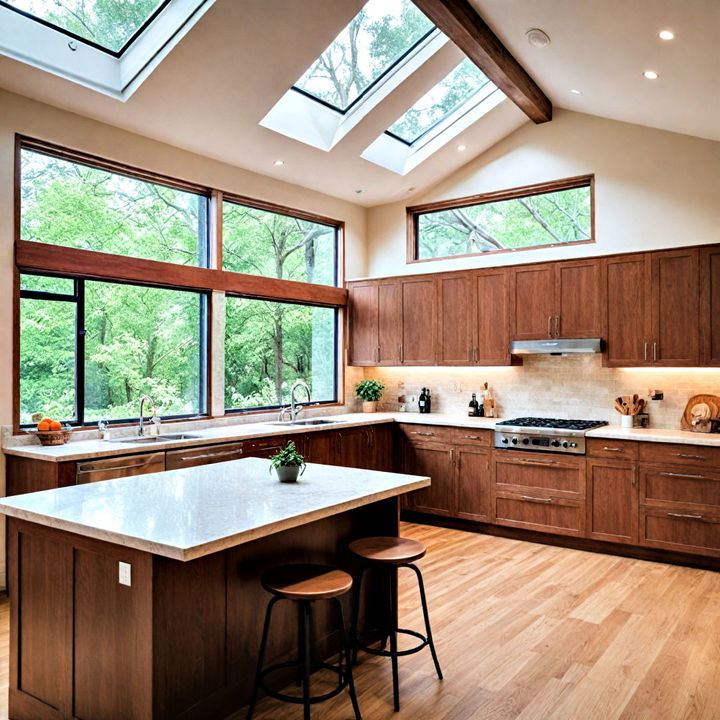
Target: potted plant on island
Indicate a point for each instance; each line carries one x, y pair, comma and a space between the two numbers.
369, 391
289, 464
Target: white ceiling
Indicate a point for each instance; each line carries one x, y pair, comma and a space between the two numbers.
211, 91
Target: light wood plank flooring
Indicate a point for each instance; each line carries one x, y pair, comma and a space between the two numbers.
533, 632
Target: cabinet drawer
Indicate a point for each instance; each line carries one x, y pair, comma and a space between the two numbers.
617, 449
684, 531
696, 455
427, 433
468, 436
539, 472
265, 447
176, 459
679, 485
118, 467
545, 513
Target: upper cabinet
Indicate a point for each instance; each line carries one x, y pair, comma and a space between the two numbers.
418, 321
456, 343
653, 309
556, 300
362, 314
710, 299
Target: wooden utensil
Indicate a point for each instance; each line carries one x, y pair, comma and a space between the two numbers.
712, 401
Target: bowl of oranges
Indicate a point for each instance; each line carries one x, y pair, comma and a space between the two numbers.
51, 432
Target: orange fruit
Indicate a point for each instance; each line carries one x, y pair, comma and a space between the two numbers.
43, 425
55, 425
46, 420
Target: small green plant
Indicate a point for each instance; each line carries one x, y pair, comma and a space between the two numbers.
288, 457
369, 390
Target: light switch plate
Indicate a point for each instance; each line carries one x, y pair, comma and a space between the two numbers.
125, 573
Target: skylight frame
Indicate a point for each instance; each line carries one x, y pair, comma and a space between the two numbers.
86, 41
23, 37
379, 79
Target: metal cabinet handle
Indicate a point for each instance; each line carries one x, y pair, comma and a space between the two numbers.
683, 515
536, 499
681, 475
116, 467
402, 353
377, 354
417, 432
609, 449
536, 462
211, 455
557, 326
453, 462
646, 351
550, 326
472, 437
690, 457
654, 352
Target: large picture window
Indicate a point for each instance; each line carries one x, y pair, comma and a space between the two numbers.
559, 212
270, 345
64, 202
89, 350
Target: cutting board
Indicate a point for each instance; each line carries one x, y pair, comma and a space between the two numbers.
712, 401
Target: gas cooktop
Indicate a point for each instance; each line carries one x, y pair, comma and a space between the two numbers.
544, 434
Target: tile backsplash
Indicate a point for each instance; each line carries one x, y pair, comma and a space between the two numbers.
570, 386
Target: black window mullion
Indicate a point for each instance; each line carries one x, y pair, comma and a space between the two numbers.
203, 367
80, 352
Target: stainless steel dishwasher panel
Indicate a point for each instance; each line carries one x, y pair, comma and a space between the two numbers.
117, 467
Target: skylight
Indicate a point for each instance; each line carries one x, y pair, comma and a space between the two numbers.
457, 88
375, 40
107, 24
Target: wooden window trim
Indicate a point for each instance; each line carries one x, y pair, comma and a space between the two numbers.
483, 198
45, 258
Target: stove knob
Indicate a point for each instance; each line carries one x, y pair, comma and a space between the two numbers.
514, 441
505, 441
555, 443
573, 445
526, 441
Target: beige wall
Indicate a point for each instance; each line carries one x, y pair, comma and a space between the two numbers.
654, 189
21, 115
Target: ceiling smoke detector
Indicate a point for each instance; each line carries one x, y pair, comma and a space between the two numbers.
537, 38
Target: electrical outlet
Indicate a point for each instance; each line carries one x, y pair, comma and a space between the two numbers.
125, 573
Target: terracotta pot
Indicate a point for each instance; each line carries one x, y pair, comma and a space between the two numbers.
288, 473
370, 406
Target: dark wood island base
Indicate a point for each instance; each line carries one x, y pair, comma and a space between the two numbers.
180, 642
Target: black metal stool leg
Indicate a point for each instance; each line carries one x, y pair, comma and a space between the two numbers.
426, 616
261, 656
356, 616
304, 611
348, 660
392, 632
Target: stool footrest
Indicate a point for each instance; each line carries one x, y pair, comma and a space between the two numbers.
399, 653
342, 682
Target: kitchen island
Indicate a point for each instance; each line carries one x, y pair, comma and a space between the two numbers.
140, 598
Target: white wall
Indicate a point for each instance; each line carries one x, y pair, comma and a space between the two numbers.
653, 189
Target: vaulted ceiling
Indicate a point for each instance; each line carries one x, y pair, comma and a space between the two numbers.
209, 94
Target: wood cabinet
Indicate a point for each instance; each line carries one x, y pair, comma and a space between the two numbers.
456, 311
418, 321
368, 447
320, 447
491, 314
709, 304
472, 467
389, 323
362, 313
191, 457
265, 447
612, 500
437, 462
556, 300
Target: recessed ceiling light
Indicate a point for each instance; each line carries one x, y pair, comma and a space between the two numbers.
537, 37
651, 75
461, 148
666, 34
359, 191
575, 92
279, 163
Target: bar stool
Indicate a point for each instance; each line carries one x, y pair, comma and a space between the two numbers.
388, 554
303, 584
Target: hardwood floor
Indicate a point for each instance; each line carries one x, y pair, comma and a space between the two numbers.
533, 632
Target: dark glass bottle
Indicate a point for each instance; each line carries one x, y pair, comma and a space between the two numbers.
422, 400
428, 401
473, 408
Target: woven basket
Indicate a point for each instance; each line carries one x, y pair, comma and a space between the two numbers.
53, 437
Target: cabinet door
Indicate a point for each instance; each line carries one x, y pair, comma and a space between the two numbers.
456, 344
265, 447
676, 296
492, 317
351, 449
533, 302
363, 324
319, 448
579, 304
434, 461
176, 459
383, 448
612, 502
710, 296
626, 283
549, 474
473, 483
389, 323
418, 322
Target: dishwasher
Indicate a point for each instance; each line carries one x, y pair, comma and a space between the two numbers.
117, 467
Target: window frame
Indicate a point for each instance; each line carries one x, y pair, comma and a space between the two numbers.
37, 258
414, 212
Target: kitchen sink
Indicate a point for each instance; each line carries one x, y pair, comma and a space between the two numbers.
316, 421
149, 439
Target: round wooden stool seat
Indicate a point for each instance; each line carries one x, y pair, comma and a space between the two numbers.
306, 582
388, 550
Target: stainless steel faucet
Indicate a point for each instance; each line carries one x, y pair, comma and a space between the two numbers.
294, 409
141, 429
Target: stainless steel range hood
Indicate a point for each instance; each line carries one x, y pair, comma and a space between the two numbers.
570, 346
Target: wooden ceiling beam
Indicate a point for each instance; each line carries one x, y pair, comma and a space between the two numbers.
462, 24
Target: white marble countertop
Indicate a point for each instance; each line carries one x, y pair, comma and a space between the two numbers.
189, 513
88, 449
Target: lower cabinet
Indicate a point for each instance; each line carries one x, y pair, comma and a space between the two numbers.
683, 530
176, 459
532, 511
437, 462
473, 483
612, 500
265, 447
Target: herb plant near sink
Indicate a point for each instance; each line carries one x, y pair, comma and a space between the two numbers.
370, 392
289, 464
